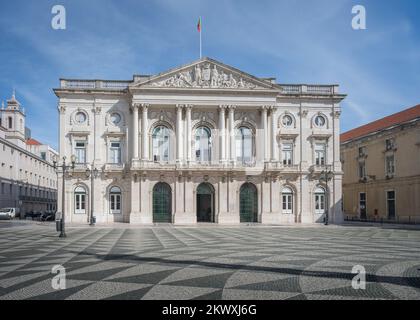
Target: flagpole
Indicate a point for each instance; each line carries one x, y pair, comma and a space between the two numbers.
201, 30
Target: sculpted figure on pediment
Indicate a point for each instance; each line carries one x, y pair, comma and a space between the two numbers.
205, 76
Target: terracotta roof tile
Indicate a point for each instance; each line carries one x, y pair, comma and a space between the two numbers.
33, 142
389, 121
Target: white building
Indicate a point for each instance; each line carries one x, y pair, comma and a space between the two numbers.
203, 142
27, 177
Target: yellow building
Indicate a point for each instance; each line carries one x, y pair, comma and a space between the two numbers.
381, 164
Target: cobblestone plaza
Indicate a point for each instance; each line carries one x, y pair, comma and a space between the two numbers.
209, 262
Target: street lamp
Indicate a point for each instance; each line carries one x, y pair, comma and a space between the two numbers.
93, 173
63, 168
325, 176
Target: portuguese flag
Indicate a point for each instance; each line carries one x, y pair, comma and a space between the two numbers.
199, 25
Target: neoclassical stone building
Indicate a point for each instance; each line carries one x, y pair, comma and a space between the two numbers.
204, 142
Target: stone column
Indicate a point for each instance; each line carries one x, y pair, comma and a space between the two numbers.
232, 133
179, 156
188, 115
135, 109
63, 130
273, 134
144, 134
222, 156
97, 133
264, 132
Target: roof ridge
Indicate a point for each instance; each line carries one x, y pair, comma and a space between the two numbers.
382, 123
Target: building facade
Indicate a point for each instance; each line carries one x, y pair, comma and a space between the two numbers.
27, 177
204, 142
381, 162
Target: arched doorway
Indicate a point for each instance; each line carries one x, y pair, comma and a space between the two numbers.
115, 200
162, 203
248, 199
320, 201
205, 203
80, 200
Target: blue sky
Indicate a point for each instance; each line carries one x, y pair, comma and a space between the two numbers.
296, 41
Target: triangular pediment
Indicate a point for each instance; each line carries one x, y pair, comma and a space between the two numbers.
206, 73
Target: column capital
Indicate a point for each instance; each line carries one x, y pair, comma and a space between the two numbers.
180, 106
61, 108
188, 107
145, 106
231, 107
336, 114
223, 107
97, 110
268, 107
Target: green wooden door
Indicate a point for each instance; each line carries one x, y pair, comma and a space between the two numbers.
162, 200
248, 203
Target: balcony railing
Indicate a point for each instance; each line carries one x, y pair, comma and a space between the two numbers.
309, 89
94, 84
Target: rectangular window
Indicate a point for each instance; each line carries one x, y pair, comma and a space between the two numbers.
362, 205
287, 154
43, 155
287, 203
10, 122
362, 170
362, 151
2, 188
390, 165
390, 199
320, 152
80, 152
389, 144
115, 153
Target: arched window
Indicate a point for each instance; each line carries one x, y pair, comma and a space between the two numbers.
244, 145
161, 145
203, 144
80, 200
319, 200
115, 200
287, 200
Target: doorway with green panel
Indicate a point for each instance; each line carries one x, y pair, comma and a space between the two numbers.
248, 203
162, 203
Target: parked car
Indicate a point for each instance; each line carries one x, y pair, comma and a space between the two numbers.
48, 216
33, 215
9, 213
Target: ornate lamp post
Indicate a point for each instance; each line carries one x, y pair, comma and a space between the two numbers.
93, 173
63, 168
325, 176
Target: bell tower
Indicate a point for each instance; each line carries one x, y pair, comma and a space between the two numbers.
13, 119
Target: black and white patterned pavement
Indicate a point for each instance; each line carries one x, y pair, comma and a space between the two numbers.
208, 262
